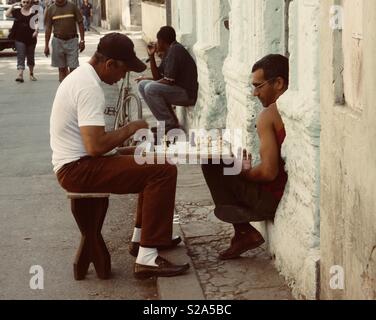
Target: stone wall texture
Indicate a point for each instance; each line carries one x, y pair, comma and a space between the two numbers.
348, 203
327, 215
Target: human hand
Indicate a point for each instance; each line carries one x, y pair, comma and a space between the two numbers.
47, 51
246, 161
152, 48
138, 125
143, 77
81, 46
35, 34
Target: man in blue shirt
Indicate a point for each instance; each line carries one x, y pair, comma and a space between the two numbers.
174, 82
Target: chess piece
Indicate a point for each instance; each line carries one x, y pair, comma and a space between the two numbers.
209, 144
246, 164
193, 138
165, 142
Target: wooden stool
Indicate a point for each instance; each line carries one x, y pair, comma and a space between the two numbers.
89, 210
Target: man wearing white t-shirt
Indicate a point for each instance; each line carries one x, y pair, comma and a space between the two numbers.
86, 160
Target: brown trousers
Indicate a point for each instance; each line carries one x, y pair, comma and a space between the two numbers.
155, 184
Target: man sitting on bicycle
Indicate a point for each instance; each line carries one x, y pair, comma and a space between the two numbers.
85, 158
174, 81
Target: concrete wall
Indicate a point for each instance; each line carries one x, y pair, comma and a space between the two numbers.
130, 14
225, 60
210, 50
153, 18
348, 151
136, 15
295, 234
183, 16
97, 12
293, 237
184, 22
114, 15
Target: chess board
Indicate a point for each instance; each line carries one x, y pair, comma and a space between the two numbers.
185, 150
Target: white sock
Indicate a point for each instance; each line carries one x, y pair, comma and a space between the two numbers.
147, 256
136, 235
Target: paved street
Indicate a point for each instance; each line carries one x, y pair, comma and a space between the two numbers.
36, 226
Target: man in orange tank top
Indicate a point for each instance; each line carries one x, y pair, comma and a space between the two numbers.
254, 195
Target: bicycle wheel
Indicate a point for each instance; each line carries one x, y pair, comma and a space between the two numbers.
130, 110
133, 106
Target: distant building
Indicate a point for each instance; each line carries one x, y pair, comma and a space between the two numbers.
117, 14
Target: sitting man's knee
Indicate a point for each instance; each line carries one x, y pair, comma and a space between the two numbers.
142, 84
152, 89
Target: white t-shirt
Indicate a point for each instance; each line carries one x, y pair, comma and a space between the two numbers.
79, 102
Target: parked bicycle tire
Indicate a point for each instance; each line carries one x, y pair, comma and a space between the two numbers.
130, 110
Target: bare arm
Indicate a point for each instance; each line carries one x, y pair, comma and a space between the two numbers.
98, 142
8, 13
268, 169
81, 29
154, 68
47, 35
152, 50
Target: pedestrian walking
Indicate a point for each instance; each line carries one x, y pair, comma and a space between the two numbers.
62, 19
25, 33
87, 13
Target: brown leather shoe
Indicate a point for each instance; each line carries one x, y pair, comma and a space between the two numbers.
164, 269
240, 245
135, 246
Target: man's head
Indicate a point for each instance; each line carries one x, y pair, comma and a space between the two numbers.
270, 78
115, 56
26, 4
165, 36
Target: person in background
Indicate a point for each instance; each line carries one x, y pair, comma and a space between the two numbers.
62, 18
174, 82
25, 34
87, 13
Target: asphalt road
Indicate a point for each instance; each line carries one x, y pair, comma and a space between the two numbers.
36, 226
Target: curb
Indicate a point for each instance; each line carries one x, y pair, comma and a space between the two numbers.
185, 287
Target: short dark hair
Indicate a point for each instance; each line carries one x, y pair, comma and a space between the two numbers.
167, 34
274, 66
100, 58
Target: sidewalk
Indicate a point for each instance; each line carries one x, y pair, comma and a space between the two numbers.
252, 277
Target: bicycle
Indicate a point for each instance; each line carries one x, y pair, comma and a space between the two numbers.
128, 107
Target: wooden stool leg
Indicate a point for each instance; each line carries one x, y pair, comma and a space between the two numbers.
90, 215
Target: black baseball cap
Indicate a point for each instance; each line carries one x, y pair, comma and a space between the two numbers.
118, 46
